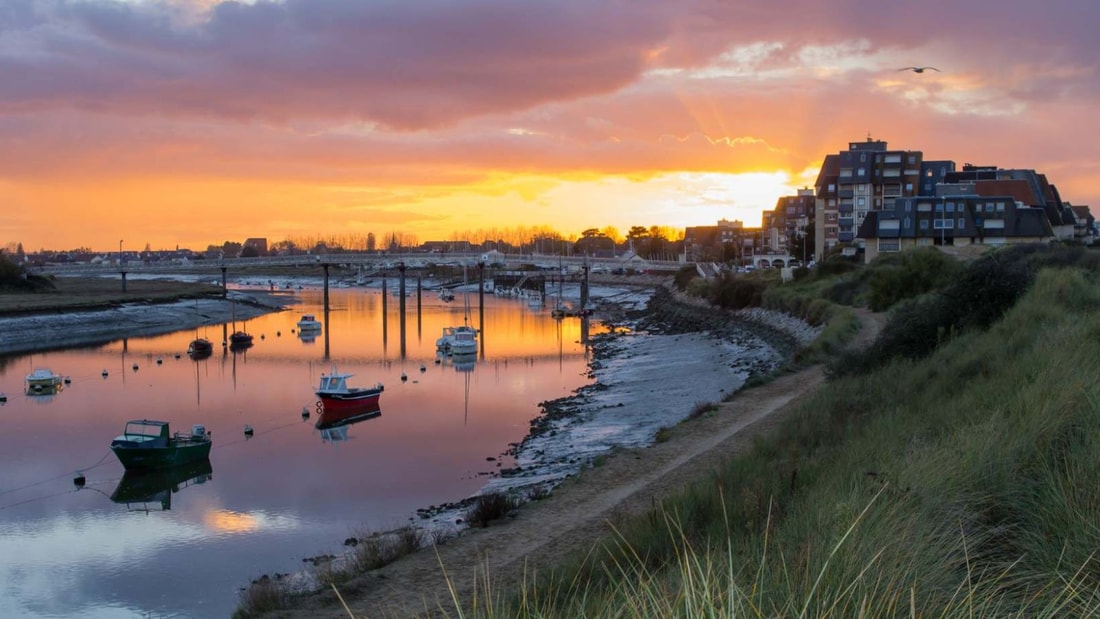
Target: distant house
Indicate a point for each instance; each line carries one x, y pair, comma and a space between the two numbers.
1084, 225
446, 247
254, 247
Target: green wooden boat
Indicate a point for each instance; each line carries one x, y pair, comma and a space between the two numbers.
149, 444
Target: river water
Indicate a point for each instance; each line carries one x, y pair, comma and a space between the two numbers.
185, 545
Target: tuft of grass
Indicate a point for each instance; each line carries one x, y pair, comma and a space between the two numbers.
702, 408
489, 507
381, 549
264, 595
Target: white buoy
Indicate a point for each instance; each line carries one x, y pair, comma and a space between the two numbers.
248, 430
423, 368
403, 377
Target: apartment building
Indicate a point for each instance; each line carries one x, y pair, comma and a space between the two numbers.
865, 178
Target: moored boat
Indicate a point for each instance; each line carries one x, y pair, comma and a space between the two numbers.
200, 347
461, 340
43, 380
149, 444
240, 338
337, 397
309, 322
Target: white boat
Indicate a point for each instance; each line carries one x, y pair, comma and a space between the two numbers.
309, 322
43, 380
461, 340
446, 295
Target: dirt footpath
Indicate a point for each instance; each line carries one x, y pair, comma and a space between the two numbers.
577, 514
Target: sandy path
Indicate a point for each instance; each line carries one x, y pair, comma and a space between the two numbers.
579, 512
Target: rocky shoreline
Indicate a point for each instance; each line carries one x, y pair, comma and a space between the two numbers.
702, 355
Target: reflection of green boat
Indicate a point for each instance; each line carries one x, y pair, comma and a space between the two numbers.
148, 444
157, 486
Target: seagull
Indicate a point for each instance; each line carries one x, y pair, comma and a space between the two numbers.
919, 69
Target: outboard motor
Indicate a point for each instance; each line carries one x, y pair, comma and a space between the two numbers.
198, 430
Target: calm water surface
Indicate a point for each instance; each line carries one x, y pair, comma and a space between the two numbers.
184, 546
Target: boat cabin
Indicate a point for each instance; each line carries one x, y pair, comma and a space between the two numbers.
146, 433
334, 383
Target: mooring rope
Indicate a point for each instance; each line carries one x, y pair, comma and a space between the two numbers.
56, 477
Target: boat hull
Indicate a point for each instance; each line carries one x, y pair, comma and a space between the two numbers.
137, 457
351, 402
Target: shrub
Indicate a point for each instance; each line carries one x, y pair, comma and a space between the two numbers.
896, 277
684, 276
733, 292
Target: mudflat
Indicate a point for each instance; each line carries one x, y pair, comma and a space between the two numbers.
87, 293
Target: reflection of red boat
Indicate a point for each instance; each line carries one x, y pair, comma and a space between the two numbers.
340, 399
329, 420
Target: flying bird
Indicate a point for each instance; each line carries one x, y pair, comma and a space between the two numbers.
919, 69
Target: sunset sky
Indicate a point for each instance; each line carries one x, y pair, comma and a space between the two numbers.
192, 122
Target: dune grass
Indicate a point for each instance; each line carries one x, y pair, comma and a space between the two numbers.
958, 485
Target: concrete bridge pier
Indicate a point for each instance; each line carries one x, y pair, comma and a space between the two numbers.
385, 320
584, 287
419, 305
225, 288
123, 273
401, 306
481, 307
326, 310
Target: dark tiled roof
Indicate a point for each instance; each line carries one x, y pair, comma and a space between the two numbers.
869, 228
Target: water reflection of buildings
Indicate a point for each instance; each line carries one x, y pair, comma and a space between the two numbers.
146, 490
333, 425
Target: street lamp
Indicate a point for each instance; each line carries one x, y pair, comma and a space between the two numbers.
120, 252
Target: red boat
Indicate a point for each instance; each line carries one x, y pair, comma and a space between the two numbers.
337, 399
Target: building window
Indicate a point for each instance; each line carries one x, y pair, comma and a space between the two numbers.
908, 223
908, 206
1000, 207
928, 173
908, 187
832, 187
950, 207
939, 207
861, 201
861, 172
924, 224
912, 159
962, 223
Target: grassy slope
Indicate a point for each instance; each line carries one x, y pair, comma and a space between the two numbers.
961, 484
